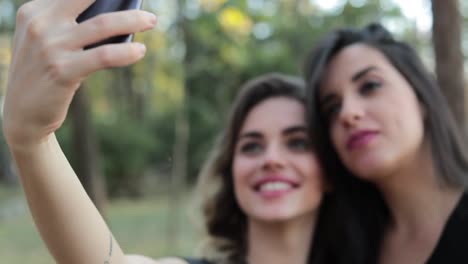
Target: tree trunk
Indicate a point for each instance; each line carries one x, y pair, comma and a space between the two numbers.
180, 149
86, 150
449, 56
7, 175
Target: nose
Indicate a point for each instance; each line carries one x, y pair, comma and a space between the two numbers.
351, 112
274, 158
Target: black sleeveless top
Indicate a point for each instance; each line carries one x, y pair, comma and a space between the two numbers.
197, 261
452, 247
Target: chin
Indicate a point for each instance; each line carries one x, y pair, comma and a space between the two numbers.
373, 171
365, 163
281, 215
273, 219
271, 216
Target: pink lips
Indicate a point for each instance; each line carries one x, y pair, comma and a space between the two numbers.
360, 139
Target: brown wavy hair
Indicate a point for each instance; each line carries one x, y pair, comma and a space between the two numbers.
225, 222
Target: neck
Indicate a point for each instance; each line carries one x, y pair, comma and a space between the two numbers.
417, 200
280, 242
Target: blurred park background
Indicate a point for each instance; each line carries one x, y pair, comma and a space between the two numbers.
137, 136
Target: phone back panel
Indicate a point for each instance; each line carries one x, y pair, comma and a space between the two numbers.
105, 6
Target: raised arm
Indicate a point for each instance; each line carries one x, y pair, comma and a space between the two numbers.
47, 67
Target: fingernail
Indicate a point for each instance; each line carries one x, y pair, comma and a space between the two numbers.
152, 18
142, 48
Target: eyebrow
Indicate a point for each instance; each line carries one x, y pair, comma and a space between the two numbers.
289, 130
252, 134
363, 72
294, 129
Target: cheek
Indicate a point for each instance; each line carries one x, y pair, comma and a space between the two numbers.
312, 169
409, 125
238, 170
336, 137
241, 169
413, 128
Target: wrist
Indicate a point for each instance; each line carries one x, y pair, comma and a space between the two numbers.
23, 146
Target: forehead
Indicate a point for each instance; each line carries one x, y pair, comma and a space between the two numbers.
275, 114
349, 61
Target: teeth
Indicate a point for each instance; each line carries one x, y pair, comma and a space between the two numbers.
275, 186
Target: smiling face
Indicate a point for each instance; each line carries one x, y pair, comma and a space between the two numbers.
276, 174
375, 119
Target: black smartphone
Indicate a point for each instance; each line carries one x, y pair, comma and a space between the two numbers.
105, 6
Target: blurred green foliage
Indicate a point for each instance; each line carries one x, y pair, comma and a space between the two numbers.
200, 55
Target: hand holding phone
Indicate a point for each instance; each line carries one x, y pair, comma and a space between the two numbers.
105, 6
48, 63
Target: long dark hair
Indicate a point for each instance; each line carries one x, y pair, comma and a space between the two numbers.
449, 155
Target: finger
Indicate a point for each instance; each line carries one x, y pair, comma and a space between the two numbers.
24, 15
108, 25
108, 56
29, 10
34, 13
73, 8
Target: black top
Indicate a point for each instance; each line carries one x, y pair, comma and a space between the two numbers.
196, 261
452, 247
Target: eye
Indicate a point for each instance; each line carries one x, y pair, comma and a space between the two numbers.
331, 110
251, 148
369, 86
299, 144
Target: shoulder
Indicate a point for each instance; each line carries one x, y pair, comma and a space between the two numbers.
459, 216
451, 247
139, 259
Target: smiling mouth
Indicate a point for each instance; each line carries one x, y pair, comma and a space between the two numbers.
275, 189
275, 186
